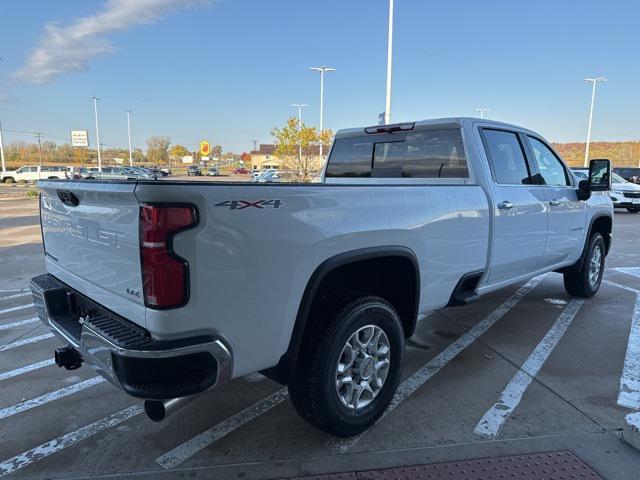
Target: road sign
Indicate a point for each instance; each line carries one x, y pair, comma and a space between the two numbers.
205, 148
79, 138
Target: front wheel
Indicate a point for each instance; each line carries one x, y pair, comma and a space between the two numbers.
345, 380
586, 281
633, 209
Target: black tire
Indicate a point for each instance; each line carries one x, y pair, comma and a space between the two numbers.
313, 386
578, 282
633, 209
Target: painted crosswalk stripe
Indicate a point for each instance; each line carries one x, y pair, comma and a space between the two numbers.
421, 376
497, 415
629, 395
53, 446
25, 341
49, 397
26, 369
15, 295
179, 454
19, 323
15, 309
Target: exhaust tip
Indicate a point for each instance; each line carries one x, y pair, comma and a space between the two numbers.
155, 410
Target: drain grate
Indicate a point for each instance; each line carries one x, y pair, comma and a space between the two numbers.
536, 466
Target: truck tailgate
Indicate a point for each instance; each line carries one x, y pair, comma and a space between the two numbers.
91, 240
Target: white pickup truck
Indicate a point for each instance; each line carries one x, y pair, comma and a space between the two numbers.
32, 173
170, 288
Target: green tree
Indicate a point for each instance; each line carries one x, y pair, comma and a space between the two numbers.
297, 147
158, 150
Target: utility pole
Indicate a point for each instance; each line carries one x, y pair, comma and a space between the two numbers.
322, 69
387, 109
300, 106
95, 109
129, 131
593, 81
482, 111
39, 137
4, 167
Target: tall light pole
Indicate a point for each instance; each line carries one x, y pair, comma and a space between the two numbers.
387, 108
129, 132
482, 111
593, 81
95, 110
4, 167
322, 69
300, 106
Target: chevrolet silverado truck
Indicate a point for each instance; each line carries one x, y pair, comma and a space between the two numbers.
170, 288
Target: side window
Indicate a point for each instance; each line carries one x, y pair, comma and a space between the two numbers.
506, 157
22, 170
422, 154
46, 169
350, 157
33, 169
550, 167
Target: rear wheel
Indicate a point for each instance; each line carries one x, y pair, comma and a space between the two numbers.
346, 378
586, 281
633, 209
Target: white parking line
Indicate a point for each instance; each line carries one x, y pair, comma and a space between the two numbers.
420, 377
49, 397
19, 323
629, 395
53, 446
15, 309
25, 369
492, 421
15, 295
7, 290
25, 341
189, 448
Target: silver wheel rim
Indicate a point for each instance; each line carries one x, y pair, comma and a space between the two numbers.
363, 367
595, 265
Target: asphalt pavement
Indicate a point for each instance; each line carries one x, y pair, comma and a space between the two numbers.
526, 370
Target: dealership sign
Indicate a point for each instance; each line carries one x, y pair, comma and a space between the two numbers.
205, 148
79, 138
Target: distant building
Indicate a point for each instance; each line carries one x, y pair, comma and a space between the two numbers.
265, 158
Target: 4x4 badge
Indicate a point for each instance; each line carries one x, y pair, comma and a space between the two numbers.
242, 204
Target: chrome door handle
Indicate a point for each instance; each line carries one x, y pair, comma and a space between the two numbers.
506, 205
554, 202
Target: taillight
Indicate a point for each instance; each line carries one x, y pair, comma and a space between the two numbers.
165, 276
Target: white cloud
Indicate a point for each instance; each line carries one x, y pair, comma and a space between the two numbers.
70, 48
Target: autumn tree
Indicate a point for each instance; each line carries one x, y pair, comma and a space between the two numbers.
177, 152
158, 149
297, 147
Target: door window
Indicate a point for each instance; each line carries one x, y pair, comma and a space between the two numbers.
506, 158
550, 167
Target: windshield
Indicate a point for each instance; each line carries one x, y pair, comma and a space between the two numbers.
615, 178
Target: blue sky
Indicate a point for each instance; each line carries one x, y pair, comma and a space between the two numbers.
228, 70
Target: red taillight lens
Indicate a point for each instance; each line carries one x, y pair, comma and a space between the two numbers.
165, 275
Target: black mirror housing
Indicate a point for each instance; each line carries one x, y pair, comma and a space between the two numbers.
584, 193
599, 175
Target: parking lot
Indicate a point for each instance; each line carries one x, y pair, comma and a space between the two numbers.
525, 370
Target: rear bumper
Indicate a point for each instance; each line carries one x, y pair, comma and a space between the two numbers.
124, 353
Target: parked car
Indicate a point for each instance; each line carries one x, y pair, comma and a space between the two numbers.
258, 173
141, 173
32, 173
241, 171
193, 170
166, 171
408, 218
267, 177
623, 194
630, 174
213, 171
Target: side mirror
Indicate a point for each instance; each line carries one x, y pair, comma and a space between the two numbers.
600, 175
584, 193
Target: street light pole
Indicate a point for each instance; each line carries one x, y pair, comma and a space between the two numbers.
95, 109
322, 69
387, 109
300, 106
129, 132
4, 167
482, 111
593, 81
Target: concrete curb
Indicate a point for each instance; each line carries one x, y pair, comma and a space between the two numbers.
631, 430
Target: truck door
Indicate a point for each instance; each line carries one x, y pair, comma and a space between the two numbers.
567, 214
519, 208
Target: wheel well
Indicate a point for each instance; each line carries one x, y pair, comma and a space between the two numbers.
603, 225
391, 275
